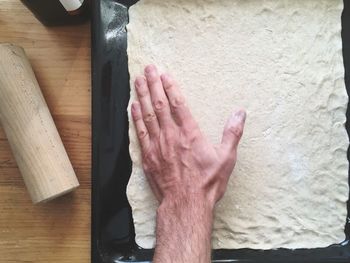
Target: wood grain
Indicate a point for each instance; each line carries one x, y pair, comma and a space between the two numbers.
30, 130
58, 231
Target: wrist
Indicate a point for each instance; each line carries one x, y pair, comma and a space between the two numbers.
186, 203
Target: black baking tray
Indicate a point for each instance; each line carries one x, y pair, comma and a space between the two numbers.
113, 235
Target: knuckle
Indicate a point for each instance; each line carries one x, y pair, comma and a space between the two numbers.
142, 91
169, 158
137, 117
149, 117
188, 139
191, 132
236, 131
148, 168
142, 134
169, 131
192, 136
159, 104
168, 86
178, 101
145, 167
149, 158
168, 155
147, 154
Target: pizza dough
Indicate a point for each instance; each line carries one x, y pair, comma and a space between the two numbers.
281, 61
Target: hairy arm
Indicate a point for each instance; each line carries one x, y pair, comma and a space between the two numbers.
184, 231
186, 172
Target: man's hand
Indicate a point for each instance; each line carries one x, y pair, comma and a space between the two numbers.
186, 172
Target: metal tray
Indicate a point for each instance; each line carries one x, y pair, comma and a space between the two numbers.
113, 235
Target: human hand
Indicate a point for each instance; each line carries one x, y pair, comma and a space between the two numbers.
178, 160
186, 172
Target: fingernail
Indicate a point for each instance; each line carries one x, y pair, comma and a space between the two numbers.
151, 72
150, 69
139, 81
134, 106
240, 115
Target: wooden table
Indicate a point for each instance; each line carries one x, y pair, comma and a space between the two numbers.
58, 231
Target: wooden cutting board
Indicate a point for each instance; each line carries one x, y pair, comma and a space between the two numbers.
58, 231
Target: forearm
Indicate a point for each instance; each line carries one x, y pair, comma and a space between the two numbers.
184, 229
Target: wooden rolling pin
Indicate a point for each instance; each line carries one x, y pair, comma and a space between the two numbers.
30, 130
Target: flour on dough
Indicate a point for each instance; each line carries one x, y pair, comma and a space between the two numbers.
281, 61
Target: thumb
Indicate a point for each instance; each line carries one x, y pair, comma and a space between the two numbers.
233, 131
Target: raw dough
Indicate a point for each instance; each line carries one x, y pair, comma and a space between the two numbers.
280, 60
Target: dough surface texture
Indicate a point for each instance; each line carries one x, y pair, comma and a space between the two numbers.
282, 62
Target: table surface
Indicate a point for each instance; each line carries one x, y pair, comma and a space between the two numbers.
58, 231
